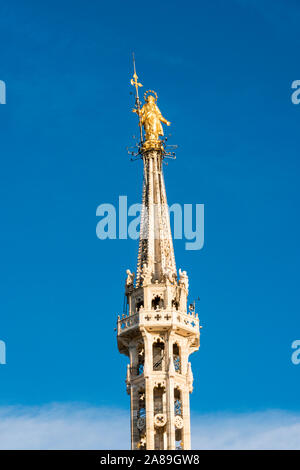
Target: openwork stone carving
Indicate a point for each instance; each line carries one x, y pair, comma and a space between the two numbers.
160, 420
178, 422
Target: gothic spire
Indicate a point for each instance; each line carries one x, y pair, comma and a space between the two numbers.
156, 260
155, 331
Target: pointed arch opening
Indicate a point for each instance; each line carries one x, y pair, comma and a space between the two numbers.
140, 358
177, 402
178, 418
141, 420
158, 355
159, 400
178, 439
139, 304
177, 358
157, 302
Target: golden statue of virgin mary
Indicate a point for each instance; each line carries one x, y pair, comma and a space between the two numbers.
151, 118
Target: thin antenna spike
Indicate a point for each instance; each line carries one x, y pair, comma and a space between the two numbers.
133, 58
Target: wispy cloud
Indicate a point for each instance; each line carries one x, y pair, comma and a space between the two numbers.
261, 430
63, 427
84, 427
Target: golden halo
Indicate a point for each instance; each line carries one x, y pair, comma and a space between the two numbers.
152, 92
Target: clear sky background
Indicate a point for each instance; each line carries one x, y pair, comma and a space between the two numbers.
223, 71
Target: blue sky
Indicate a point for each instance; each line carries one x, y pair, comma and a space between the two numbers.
223, 71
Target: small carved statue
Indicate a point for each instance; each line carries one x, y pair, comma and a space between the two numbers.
146, 274
151, 118
129, 279
169, 275
183, 279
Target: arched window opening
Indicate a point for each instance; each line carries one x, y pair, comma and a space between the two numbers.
176, 358
159, 417
158, 399
139, 304
157, 302
158, 355
141, 359
175, 304
159, 439
178, 439
177, 403
142, 408
141, 420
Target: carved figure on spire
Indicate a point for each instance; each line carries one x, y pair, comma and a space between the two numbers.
129, 281
146, 274
183, 279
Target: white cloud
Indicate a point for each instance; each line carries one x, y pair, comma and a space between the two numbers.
260, 430
77, 426
63, 427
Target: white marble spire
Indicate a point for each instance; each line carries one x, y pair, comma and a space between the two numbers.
156, 260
